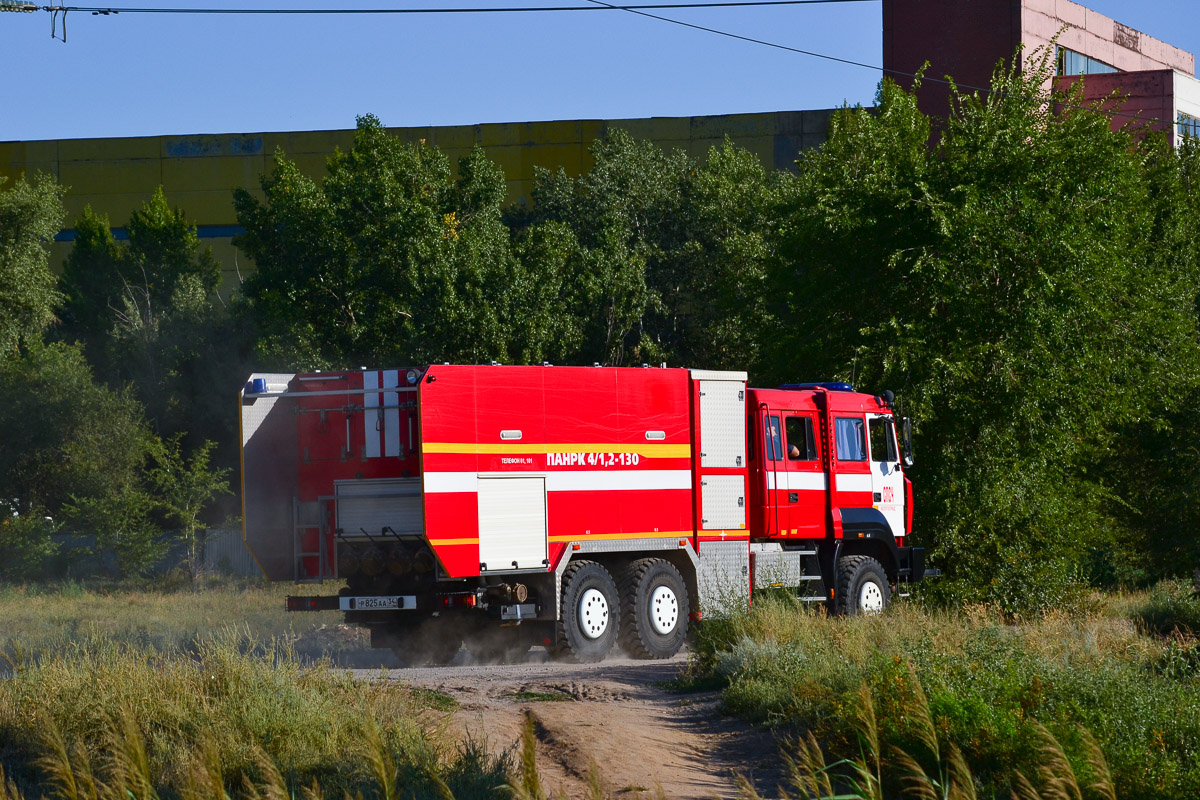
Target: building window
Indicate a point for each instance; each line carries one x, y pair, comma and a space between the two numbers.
1188, 126
1068, 62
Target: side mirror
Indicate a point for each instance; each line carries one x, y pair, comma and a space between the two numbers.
906, 445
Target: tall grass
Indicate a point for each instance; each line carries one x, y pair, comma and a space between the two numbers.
41, 618
994, 689
938, 771
155, 722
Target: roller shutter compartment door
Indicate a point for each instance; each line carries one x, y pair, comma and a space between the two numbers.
512, 523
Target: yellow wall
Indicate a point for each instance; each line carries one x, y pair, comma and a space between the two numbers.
199, 173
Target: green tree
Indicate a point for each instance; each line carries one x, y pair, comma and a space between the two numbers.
64, 434
668, 255
104, 280
185, 487
1009, 280
31, 213
390, 260
147, 312
26, 544
75, 451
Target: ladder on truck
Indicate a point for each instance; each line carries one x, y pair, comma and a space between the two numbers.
306, 518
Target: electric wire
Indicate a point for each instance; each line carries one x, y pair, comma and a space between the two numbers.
107, 10
853, 63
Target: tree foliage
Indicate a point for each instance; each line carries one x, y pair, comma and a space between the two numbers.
31, 213
391, 260
1020, 284
147, 311
160, 257
64, 435
667, 253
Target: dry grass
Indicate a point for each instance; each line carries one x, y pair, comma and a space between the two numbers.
45, 619
234, 712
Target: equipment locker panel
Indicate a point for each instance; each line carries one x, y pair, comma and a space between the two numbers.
722, 424
723, 499
512, 523
372, 505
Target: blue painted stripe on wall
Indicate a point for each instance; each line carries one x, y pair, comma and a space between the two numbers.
203, 231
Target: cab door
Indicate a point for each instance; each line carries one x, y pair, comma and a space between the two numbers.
776, 514
806, 485
887, 479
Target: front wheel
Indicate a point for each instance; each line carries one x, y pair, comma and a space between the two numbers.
587, 626
862, 587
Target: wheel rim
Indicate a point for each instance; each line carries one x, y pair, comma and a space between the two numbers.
664, 610
870, 598
593, 613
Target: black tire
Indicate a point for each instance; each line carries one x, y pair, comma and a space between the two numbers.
862, 587
590, 617
654, 609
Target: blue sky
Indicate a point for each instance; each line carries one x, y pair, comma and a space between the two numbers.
141, 75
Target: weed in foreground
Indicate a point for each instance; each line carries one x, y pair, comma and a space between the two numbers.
944, 775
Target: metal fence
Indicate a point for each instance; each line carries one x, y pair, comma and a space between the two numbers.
225, 552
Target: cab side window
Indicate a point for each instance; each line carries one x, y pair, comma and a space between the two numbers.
883, 443
774, 449
802, 446
851, 439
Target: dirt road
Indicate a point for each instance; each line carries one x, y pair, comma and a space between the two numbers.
615, 714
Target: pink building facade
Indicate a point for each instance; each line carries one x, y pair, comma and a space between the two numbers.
966, 39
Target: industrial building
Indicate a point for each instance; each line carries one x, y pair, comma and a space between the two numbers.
965, 40
198, 173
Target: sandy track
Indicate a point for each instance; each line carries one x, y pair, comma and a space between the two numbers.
614, 714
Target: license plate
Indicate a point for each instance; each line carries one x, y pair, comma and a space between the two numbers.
376, 603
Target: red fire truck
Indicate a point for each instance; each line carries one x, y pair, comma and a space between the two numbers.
572, 507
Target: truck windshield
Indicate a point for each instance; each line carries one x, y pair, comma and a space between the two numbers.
851, 445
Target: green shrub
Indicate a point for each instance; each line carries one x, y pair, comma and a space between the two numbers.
989, 684
1173, 606
25, 545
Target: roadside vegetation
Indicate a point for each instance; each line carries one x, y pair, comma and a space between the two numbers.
1119, 675
164, 614
232, 713
151, 690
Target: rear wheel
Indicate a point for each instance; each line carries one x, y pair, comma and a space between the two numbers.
862, 587
587, 626
654, 609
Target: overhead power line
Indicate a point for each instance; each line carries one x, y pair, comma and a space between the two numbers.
106, 10
850, 62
